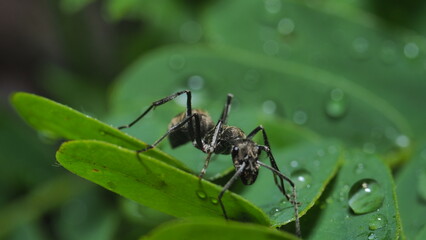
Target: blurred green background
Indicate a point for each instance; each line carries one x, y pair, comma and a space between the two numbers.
363, 61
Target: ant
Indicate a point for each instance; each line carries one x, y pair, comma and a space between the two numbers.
197, 126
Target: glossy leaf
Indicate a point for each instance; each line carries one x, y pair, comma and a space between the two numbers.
422, 234
411, 190
310, 166
54, 120
170, 21
336, 38
333, 218
151, 182
298, 92
212, 229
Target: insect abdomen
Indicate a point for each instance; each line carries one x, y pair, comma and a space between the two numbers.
181, 135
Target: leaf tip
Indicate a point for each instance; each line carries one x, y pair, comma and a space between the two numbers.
60, 152
14, 97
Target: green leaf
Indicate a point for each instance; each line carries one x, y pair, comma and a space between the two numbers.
411, 192
310, 166
151, 182
128, 103
174, 20
422, 234
212, 229
284, 133
362, 176
299, 93
345, 41
55, 120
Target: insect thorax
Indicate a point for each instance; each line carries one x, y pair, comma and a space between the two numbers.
227, 138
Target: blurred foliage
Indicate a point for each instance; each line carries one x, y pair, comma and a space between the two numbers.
311, 70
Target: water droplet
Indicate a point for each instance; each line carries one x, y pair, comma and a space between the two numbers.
335, 109
343, 193
320, 152
201, 194
377, 133
251, 80
337, 94
359, 168
365, 196
271, 47
285, 26
421, 185
388, 53
195, 82
345, 188
294, 163
214, 201
332, 149
317, 163
369, 148
274, 211
360, 44
302, 178
377, 221
269, 107
372, 236
300, 117
177, 62
402, 141
191, 32
411, 50
102, 133
336, 106
273, 6
391, 133
360, 47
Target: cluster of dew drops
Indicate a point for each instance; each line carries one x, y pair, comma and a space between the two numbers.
366, 195
360, 47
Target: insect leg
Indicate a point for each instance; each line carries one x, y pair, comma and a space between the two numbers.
227, 108
293, 201
206, 164
161, 102
210, 147
267, 149
222, 120
177, 126
228, 185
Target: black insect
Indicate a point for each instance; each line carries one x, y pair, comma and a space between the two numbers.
196, 126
